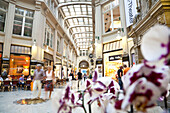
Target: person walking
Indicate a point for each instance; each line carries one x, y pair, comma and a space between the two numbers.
85, 76
49, 82
71, 78
72, 75
126, 69
79, 74
120, 74
38, 76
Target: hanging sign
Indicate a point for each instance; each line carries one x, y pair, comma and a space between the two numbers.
130, 11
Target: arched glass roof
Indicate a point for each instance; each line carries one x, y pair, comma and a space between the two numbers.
78, 15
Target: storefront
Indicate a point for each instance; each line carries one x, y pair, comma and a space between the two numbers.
99, 66
112, 58
19, 62
58, 67
64, 69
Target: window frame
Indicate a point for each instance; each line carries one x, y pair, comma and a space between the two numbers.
49, 30
4, 11
110, 8
23, 20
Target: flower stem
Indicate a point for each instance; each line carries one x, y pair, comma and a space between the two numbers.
90, 108
165, 102
131, 108
83, 103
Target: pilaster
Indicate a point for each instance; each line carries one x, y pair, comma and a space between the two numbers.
38, 34
9, 29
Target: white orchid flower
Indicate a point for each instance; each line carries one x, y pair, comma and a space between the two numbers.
155, 45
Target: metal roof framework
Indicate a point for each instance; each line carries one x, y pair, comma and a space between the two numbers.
78, 15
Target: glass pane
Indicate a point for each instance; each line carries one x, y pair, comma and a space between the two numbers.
19, 11
2, 20
17, 25
57, 45
28, 27
116, 18
29, 13
51, 41
3, 5
107, 21
48, 36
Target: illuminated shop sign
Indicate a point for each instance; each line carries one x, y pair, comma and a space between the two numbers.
116, 57
130, 11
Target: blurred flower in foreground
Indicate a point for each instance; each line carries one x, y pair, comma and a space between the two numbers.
155, 45
67, 102
145, 83
103, 90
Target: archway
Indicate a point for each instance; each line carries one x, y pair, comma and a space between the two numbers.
84, 66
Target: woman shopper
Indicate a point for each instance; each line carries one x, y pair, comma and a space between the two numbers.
49, 81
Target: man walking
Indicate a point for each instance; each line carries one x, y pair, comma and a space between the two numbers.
79, 74
38, 76
120, 74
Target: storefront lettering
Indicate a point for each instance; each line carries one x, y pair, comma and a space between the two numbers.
117, 57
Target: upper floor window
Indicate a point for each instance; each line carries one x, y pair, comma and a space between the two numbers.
83, 52
3, 10
51, 5
111, 16
23, 22
58, 44
49, 35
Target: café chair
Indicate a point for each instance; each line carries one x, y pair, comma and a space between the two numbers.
6, 84
28, 84
14, 84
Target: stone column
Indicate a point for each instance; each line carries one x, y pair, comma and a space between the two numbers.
61, 49
98, 31
55, 44
38, 33
9, 29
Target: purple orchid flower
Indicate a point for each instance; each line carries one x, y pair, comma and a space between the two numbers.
103, 90
68, 102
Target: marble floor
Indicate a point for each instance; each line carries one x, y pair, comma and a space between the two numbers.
7, 104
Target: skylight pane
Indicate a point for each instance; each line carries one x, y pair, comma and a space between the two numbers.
67, 13
90, 13
78, 13
84, 13
91, 29
83, 9
83, 35
71, 9
80, 19
90, 9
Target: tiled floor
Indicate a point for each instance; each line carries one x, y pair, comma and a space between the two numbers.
51, 106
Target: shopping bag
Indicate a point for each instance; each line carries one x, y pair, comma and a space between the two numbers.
31, 86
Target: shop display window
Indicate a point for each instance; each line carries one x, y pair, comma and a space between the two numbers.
112, 62
19, 64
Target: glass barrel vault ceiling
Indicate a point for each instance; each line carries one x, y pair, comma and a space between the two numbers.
78, 16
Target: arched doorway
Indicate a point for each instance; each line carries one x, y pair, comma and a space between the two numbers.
84, 66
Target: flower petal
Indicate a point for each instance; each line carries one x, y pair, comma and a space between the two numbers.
155, 43
95, 76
